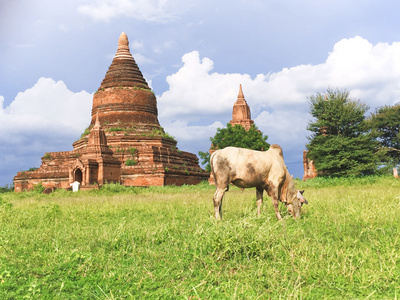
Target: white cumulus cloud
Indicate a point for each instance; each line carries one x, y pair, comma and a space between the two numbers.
193, 90
47, 117
46, 106
184, 132
370, 72
278, 101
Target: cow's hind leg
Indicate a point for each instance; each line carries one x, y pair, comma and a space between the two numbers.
219, 194
259, 194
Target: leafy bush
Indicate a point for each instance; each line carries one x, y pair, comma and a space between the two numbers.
38, 188
6, 189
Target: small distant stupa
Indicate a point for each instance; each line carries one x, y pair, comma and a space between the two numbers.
241, 112
124, 142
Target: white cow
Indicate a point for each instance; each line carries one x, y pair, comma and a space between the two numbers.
264, 170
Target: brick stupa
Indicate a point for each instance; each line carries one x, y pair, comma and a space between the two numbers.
241, 112
124, 142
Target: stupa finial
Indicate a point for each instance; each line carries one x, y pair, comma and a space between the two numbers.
123, 51
123, 41
97, 123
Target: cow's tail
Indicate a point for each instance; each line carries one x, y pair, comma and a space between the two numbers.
212, 158
211, 161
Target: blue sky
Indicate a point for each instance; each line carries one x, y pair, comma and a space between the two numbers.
194, 54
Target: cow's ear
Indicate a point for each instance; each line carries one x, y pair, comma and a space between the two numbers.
303, 200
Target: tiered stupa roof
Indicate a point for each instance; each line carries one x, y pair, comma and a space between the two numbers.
124, 96
123, 72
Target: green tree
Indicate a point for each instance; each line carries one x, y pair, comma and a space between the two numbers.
205, 159
340, 143
385, 126
235, 136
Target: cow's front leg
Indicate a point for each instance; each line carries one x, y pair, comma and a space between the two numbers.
273, 193
219, 194
259, 194
275, 201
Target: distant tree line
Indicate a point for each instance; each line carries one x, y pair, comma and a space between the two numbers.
6, 189
343, 140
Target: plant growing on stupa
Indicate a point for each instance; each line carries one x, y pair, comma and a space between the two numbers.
133, 151
130, 162
86, 132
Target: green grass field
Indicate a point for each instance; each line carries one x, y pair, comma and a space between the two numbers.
163, 243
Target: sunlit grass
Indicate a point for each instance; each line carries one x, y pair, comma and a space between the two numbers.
163, 242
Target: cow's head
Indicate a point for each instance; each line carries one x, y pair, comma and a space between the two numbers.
294, 207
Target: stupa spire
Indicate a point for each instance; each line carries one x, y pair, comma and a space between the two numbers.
97, 123
240, 96
97, 136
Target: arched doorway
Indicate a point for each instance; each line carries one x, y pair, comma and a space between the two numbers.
78, 175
